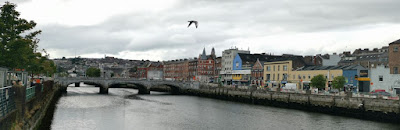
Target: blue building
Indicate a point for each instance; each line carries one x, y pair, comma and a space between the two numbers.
237, 63
243, 64
357, 77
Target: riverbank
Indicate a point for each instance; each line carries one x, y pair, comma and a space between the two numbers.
28, 105
46, 120
381, 110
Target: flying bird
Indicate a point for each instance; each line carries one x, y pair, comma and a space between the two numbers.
195, 23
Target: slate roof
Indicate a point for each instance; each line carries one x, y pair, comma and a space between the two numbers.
204, 56
343, 67
395, 42
115, 70
252, 58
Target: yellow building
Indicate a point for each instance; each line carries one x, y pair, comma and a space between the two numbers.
279, 73
276, 73
303, 77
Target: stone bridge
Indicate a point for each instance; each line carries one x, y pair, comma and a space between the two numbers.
143, 86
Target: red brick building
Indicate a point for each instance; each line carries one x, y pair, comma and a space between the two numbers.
394, 54
142, 71
176, 70
193, 69
206, 66
257, 73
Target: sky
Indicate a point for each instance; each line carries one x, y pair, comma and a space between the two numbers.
157, 29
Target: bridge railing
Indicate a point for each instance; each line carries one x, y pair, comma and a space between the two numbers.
30, 92
7, 103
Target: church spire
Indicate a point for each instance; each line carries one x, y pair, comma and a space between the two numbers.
204, 56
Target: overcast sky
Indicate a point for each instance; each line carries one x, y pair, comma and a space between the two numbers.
157, 29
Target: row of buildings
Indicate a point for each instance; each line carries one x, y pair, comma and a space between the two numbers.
204, 68
364, 69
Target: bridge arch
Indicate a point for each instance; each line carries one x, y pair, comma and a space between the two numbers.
174, 89
144, 86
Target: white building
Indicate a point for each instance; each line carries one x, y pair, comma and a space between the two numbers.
382, 79
227, 64
331, 60
155, 75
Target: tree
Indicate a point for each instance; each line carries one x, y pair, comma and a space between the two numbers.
318, 81
338, 82
18, 42
93, 72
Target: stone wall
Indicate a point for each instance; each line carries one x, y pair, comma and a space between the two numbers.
364, 108
28, 113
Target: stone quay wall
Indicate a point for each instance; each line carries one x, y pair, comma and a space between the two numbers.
376, 109
29, 110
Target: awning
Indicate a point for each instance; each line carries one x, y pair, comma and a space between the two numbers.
306, 82
363, 79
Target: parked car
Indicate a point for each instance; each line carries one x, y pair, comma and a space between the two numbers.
380, 93
334, 91
377, 90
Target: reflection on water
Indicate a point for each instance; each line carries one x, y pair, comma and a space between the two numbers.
82, 108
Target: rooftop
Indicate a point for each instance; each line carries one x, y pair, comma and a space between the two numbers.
343, 67
395, 42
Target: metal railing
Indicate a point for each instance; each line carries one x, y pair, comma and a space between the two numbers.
7, 103
30, 93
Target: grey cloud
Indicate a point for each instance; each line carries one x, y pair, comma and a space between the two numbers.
14, 1
81, 39
220, 22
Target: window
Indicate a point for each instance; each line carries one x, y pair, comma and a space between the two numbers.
309, 76
273, 77
274, 67
395, 49
304, 77
396, 70
279, 67
268, 68
284, 67
278, 77
299, 77
380, 77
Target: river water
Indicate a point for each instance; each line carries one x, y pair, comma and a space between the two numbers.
82, 108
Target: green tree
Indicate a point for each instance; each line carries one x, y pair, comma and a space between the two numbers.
93, 72
318, 81
18, 42
338, 82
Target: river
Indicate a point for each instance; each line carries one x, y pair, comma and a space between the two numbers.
82, 108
